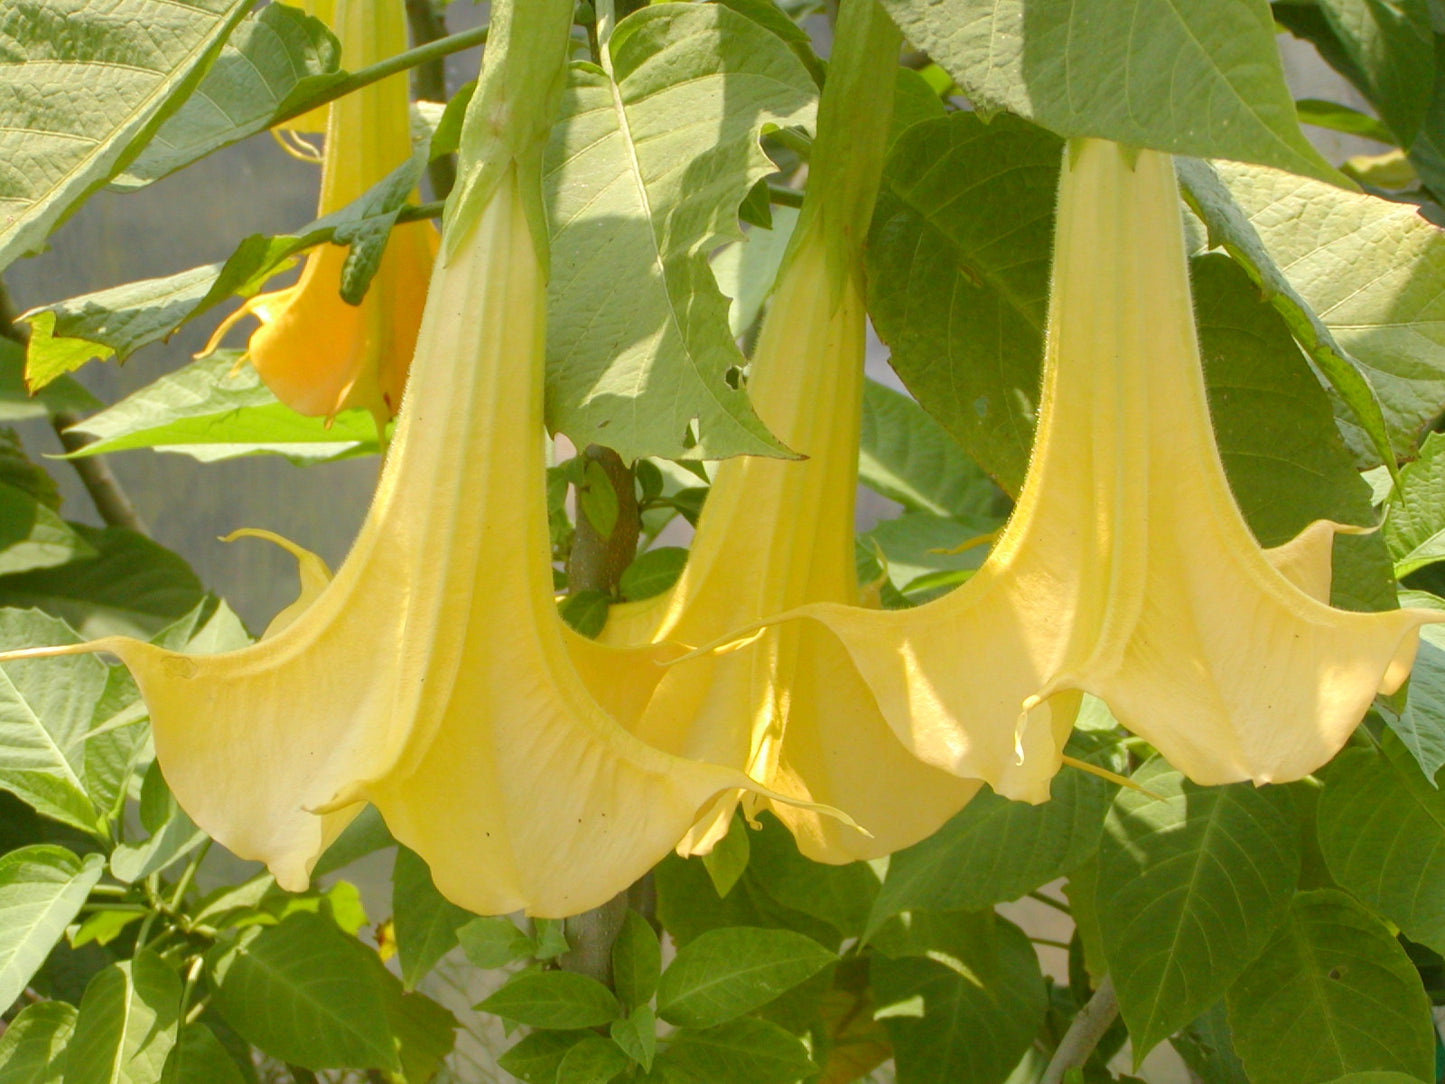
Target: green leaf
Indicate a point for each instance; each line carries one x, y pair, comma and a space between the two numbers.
133, 587
594, 1060
199, 1058
1333, 993
839, 895
926, 555
636, 1036
1373, 270
636, 961
1392, 49
1415, 520
494, 941
365, 835
652, 573
743, 1051
728, 859
746, 269
60, 146
1341, 118
425, 1031
964, 1003
1207, 1048
302, 993
1190, 890
1376, 1078
42, 888
596, 498
585, 612
276, 55
994, 850
127, 1026
1421, 725
33, 535
537, 1058
173, 834
32, 1050
554, 999
426, 921
219, 409
727, 972
636, 198
1382, 831
904, 455
1201, 79
688, 905
46, 708
1229, 228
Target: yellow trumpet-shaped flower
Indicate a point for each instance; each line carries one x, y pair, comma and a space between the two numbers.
788, 707
317, 353
1127, 570
431, 675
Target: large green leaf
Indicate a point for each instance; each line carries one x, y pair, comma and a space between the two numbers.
173, 834
33, 535
636, 961
46, 707
1192, 78
301, 992
276, 55
133, 587
1420, 724
1382, 831
962, 999
1374, 271
32, 1050
128, 1022
727, 972
839, 895
994, 850
16, 402
41, 890
86, 86
743, 1051
1190, 890
426, 922
644, 176
905, 455
1392, 48
1333, 993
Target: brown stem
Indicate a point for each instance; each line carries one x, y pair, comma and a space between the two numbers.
1084, 1033
95, 474
596, 563
429, 83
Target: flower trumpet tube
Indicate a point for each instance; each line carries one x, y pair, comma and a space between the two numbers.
430, 676
789, 707
316, 352
1127, 570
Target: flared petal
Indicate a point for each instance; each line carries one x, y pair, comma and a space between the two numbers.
317, 353
1127, 570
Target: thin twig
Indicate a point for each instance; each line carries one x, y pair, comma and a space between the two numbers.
1084, 1033
1057, 905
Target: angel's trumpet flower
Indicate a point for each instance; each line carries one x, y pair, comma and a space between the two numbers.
431, 676
316, 352
789, 707
1127, 570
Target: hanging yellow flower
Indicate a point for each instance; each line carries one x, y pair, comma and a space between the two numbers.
1127, 570
789, 708
431, 676
317, 353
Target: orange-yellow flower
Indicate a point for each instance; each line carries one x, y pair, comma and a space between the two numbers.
317, 353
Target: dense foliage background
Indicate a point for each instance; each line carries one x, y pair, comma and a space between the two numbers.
1286, 934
